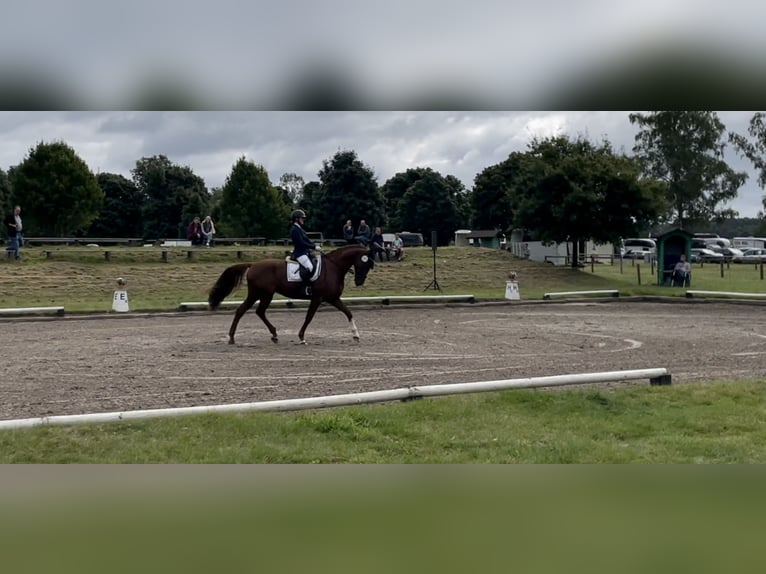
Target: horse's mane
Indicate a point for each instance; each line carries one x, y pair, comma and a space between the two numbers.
341, 251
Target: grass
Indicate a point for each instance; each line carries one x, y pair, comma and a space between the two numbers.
80, 279
701, 423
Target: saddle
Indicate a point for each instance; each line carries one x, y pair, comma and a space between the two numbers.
296, 273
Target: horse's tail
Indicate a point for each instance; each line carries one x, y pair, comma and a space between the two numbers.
230, 279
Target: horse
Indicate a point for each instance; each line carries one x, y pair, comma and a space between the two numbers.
269, 276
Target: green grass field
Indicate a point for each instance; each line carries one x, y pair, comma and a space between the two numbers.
717, 422
81, 280
701, 423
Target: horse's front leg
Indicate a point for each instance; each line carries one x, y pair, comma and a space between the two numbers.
309, 316
340, 305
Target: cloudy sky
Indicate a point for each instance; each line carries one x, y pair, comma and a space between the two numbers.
460, 143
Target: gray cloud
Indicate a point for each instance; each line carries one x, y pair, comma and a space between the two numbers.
459, 143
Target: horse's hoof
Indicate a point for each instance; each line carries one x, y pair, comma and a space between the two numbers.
275, 340
356, 339
303, 342
231, 341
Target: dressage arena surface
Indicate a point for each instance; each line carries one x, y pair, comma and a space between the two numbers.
77, 365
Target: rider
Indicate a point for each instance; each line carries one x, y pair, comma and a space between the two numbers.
302, 244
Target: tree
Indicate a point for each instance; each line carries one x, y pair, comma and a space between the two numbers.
491, 199
422, 200
173, 196
6, 194
684, 150
348, 190
572, 191
292, 184
58, 193
250, 205
121, 212
754, 150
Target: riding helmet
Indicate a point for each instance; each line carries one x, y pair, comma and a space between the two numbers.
298, 213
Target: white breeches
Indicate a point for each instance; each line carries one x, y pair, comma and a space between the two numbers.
306, 262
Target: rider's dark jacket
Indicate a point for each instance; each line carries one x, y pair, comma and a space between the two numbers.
301, 243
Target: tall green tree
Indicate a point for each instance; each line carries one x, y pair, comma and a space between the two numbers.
121, 212
6, 194
685, 150
491, 198
348, 190
572, 191
422, 200
173, 196
250, 205
58, 192
292, 186
753, 147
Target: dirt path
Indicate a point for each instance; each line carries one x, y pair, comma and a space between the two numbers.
83, 365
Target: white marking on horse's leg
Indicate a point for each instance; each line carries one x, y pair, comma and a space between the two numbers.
354, 330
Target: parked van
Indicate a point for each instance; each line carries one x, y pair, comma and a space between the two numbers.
748, 243
708, 240
639, 242
411, 239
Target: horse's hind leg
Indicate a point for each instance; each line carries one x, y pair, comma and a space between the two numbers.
340, 305
241, 310
261, 312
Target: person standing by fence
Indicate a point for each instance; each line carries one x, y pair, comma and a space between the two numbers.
208, 231
15, 236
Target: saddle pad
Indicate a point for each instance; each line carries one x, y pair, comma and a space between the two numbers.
293, 270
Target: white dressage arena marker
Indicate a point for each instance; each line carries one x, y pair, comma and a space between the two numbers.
512, 290
120, 301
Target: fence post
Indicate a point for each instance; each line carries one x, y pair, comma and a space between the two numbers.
638, 272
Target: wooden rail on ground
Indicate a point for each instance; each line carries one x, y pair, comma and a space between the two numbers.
610, 292
32, 311
690, 293
383, 300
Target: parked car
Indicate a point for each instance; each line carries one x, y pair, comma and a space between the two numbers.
729, 253
411, 239
638, 253
700, 255
751, 256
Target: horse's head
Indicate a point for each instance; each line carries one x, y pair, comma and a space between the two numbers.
362, 265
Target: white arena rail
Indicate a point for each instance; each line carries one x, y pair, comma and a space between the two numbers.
383, 300
690, 293
659, 376
33, 311
610, 292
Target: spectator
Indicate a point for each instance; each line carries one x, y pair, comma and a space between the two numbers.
681, 272
363, 233
194, 232
348, 232
397, 248
208, 231
15, 237
378, 246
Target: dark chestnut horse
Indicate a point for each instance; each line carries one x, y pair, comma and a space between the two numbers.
267, 277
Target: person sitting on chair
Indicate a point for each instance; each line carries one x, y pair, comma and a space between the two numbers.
348, 232
681, 272
378, 246
363, 233
302, 245
397, 248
